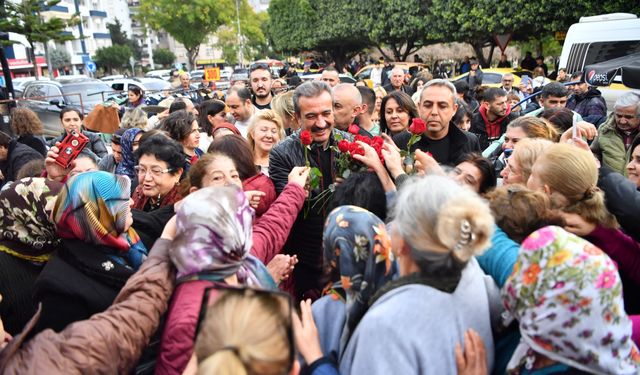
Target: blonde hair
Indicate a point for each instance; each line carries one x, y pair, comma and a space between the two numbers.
265, 115
445, 208
380, 90
245, 334
572, 175
282, 104
527, 151
134, 118
535, 127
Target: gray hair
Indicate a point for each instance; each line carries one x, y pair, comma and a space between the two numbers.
442, 83
310, 89
351, 90
445, 209
629, 99
134, 118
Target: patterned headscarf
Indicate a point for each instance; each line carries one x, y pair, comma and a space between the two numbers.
356, 245
93, 207
125, 167
214, 237
567, 297
26, 229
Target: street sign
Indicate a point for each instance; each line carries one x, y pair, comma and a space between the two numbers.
212, 74
502, 40
91, 66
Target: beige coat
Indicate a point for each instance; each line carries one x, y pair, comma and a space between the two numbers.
108, 343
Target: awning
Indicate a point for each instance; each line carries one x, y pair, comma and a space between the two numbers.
603, 74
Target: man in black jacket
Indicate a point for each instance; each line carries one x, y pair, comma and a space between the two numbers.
313, 105
448, 144
397, 82
492, 118
13, 156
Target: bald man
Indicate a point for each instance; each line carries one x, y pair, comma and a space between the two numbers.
347, 104
397, 82
330, 76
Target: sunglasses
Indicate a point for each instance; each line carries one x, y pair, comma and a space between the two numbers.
217, 293
257, 66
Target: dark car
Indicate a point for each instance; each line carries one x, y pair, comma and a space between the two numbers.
48, 98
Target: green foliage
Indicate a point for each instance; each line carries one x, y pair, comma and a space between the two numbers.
113, 57
163, 57
546, 46
25, 17
59, 58
189, 22
119, 37
251, 27
331, 26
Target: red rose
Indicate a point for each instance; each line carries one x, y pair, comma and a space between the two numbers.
377, 141
305, 137
417, 126
354, 129
343, 146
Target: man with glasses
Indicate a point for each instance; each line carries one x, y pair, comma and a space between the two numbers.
618, 133
260, 80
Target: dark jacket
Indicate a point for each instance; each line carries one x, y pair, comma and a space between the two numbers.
476, 80
35, 142
479, 128
18, 155
591, 106
405, 88
95, 145
623, 200
461, 143
108, 343
16, 287
76, 283
305, 239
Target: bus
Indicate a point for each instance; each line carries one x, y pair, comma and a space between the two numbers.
600, 38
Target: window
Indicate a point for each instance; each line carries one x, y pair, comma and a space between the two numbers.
118, 86
490, 78
603, 51
35, 92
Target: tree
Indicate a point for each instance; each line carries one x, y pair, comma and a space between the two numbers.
164, 57
334, 27
254, 41
401, 25
59, 58
119, 37
189, 22
25, 17
113, 57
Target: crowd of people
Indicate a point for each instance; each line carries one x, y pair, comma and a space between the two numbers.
328, 228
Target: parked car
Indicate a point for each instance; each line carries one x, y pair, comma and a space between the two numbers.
492, 77
344, 78
146, 84
162, 74
240, 74
47, 98
113, 77
20, 82
365, 73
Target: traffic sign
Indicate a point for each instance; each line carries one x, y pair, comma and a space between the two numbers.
212, 74
91, 66
502, 40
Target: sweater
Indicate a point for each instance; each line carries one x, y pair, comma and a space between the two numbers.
413, 329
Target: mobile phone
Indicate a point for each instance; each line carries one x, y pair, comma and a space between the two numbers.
70, 148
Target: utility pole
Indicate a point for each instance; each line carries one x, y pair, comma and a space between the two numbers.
240, 43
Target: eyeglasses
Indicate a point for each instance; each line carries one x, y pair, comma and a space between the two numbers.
155, 171
626, 117
257, 66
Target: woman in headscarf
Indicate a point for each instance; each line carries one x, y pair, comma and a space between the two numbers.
128, 145
357, 252
212, 244
567, 297
98, 253
27, 239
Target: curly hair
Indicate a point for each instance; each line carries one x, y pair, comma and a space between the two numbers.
25, 122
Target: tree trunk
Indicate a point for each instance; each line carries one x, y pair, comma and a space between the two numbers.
32, 54
386, 57
477, 48
493, 47
411, 48
47, 58
192, 53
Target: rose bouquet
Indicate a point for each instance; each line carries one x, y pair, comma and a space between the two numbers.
416, 129
347, 149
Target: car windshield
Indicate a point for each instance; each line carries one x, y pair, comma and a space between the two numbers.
90, 92
157, 85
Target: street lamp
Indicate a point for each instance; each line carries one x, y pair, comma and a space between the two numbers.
240, 43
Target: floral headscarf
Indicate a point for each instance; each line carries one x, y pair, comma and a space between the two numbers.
356, 244
214, 237
26, 229
567, 297
93, 207
125, 167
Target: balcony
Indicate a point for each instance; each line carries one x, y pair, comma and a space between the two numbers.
97, 13
102, 35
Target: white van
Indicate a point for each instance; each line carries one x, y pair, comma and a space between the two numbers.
600, 38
